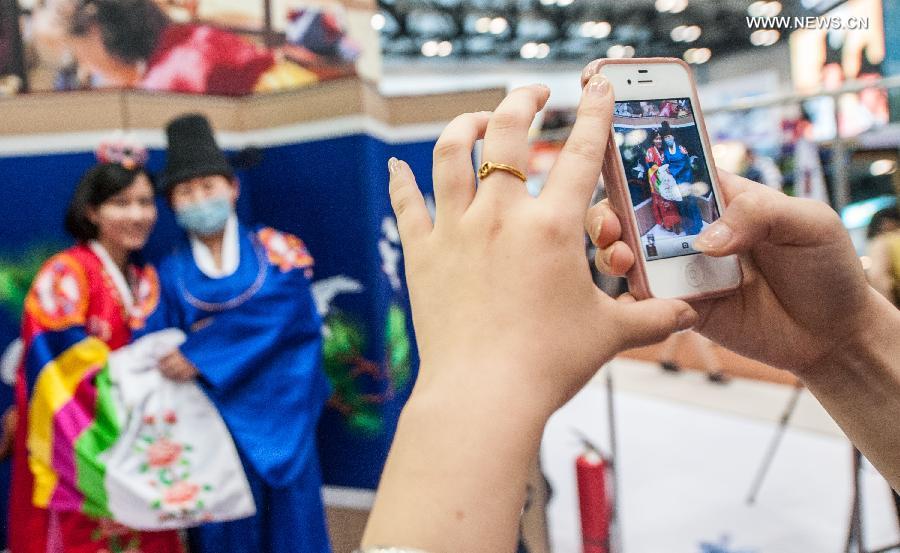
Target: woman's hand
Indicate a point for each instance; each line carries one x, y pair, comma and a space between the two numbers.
804, 295
175, 366
508, 322
500, 287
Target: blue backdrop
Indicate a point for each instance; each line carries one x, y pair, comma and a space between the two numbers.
333, 194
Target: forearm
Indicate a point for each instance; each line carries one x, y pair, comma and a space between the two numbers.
860, 388
455, 479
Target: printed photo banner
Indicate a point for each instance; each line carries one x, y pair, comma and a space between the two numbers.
214, 47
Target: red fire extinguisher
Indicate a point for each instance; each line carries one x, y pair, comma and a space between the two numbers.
594, 499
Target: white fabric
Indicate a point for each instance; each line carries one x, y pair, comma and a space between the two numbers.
115, 273
668, 189
10, 361
231, 252
174, 464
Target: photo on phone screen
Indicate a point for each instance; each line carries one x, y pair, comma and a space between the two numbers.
667, 174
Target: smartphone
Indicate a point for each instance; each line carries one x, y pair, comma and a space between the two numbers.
661, 180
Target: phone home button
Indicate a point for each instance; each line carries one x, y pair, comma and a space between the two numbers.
694, 274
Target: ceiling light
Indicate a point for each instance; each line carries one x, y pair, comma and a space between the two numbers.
444, 48
587, 28
483, 24
764, 37
498, 25
697, 55
616, 51
378, 21
430, 48
602, 29
678, 6
664, 5
882, 167
628, 52
761, 8
757, 9
691, 33
529, 50
543, 50
564, 3
772, 9
671, 6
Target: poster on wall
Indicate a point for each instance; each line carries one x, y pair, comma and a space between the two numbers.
829, 58
216, 47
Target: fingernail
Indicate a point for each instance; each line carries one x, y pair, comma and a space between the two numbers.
607, 254
714, 237
598, 85
596, 227
589, 69
687, 319
393, 166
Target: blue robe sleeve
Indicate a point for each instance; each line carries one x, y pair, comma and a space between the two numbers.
260, 364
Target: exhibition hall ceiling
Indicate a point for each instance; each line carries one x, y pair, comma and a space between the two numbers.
548, 31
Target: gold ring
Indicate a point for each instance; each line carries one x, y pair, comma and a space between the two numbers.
489, 167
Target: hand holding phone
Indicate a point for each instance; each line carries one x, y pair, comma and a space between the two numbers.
661, 180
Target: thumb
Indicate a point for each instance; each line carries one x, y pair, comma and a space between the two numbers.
757, 215
650, 321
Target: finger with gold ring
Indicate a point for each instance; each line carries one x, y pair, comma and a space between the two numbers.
489, 167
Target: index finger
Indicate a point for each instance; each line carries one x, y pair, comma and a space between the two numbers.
575, 174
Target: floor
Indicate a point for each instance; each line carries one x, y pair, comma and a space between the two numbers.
688, 451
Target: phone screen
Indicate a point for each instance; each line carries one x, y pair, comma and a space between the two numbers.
667, 174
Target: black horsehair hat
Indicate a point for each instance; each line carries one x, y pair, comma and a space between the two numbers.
192, 152
665, 129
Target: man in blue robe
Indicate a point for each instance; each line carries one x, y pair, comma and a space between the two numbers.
243, 297
679, 162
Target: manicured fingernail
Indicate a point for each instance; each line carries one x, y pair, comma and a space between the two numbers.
393, 166
687, 319
598, 85
714, 237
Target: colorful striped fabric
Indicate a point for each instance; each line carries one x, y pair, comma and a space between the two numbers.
71, 421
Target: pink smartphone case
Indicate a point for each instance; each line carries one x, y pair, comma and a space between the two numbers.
617, 190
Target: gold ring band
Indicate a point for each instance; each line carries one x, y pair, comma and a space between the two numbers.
489, 167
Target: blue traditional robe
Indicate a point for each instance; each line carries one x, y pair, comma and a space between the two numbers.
255, 337
680, 168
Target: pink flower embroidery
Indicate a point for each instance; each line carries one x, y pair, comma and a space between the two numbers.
163, 453
170, 417
181, 493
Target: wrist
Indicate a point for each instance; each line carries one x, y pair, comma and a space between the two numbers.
870, 345
481, 390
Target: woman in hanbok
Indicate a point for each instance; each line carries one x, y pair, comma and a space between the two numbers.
84, 302
134, 44
665, 212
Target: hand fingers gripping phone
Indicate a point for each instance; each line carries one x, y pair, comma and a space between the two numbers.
661, 180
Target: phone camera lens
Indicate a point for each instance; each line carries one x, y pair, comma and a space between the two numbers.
629, 81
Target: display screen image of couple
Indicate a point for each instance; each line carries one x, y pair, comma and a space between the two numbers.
667, 174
